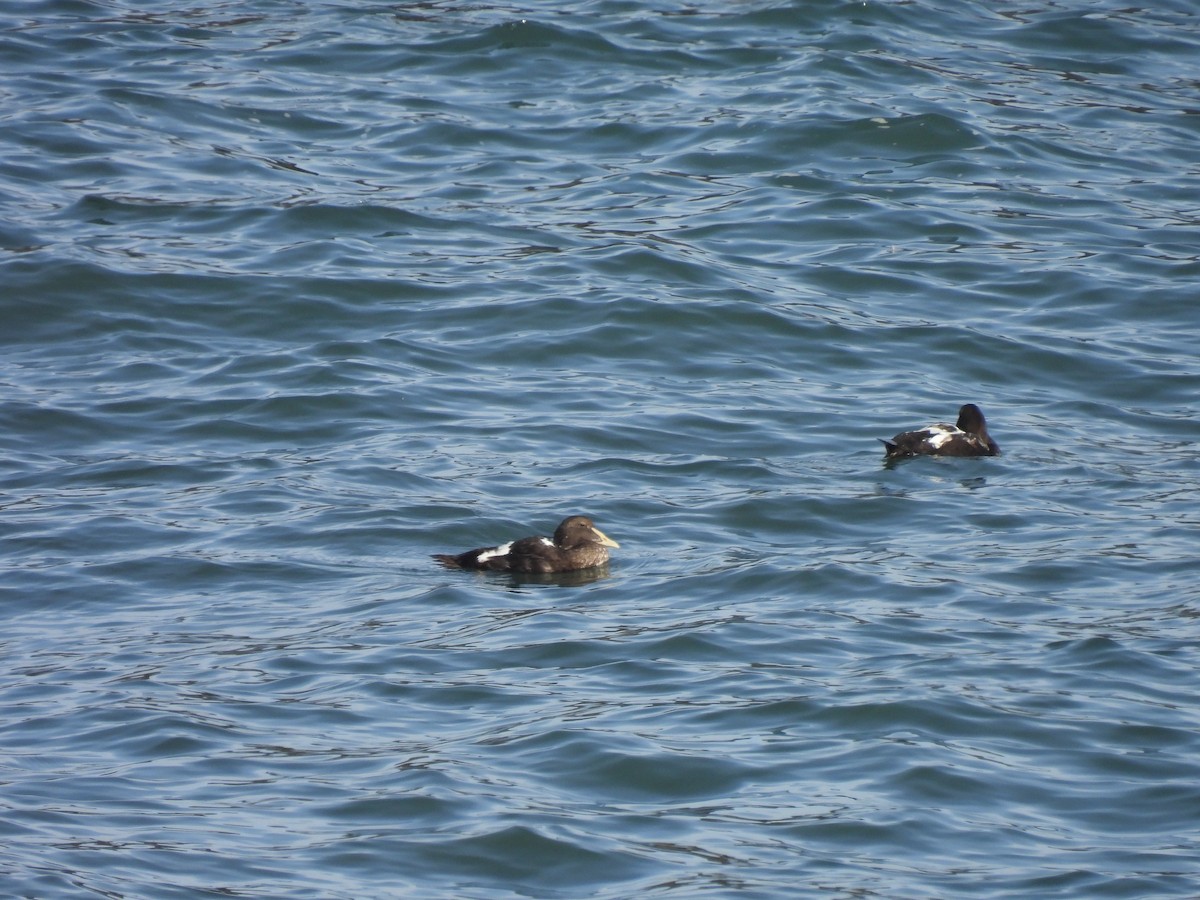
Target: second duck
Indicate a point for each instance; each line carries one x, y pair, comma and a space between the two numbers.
967, 437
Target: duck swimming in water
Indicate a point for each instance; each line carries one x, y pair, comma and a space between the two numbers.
968, 437
577, 544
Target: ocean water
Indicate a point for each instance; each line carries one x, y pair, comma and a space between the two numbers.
293, 295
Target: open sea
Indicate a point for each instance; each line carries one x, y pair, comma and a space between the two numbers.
294, 294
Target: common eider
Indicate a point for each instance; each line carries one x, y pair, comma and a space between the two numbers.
968, 437
577, 544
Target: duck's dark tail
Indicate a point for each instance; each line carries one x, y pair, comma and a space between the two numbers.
447, 560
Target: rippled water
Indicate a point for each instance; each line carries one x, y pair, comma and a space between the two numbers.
295, 295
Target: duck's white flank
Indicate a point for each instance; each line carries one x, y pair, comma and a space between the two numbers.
502, 550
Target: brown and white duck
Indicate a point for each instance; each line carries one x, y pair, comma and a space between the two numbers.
577, 544
967, 437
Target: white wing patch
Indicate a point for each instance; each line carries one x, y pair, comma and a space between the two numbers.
502, 550
547, 542
940, 434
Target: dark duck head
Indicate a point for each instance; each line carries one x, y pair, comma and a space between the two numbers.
967, 437
577, 544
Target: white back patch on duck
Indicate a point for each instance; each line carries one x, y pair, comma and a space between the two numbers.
941, 433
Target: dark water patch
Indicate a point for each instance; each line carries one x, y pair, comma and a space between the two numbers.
520, 856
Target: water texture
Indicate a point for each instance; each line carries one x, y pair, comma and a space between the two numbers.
293, 295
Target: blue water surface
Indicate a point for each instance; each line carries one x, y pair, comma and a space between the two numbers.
294, 295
